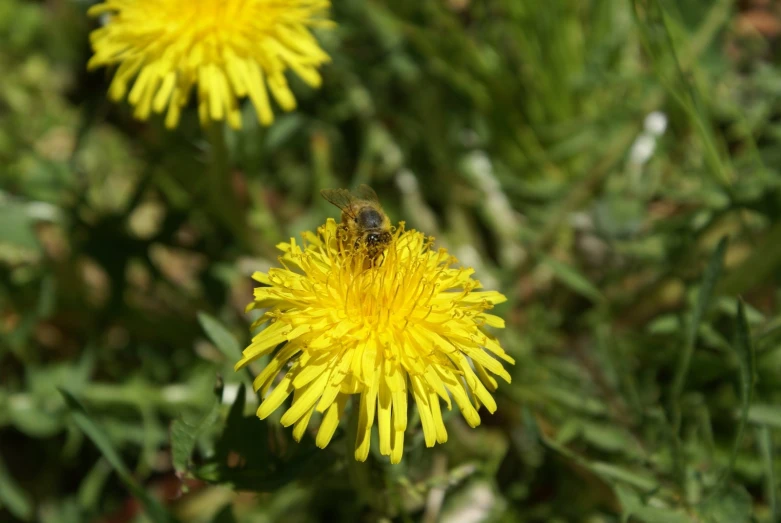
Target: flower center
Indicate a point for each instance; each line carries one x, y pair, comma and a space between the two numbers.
204, 29
396, 290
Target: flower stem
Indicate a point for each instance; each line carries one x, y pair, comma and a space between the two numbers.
221, 197
357, 472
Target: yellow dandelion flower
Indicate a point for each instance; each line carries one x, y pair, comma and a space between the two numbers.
230, 49
411, 323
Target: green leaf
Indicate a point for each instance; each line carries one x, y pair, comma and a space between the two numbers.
632, 506
766, 447
17, 232
732, 505
231, 436
765, 414
609, 472
184, 435
95, 432
13, 497
245, 458
611, 438
220, 336
709, 279
711, 276
573, 279
91, 487
638, 479
664, 324
748, 372
603, 436
34, 421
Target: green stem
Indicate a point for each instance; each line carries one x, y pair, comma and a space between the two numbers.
358, 472
766, 446
221, 197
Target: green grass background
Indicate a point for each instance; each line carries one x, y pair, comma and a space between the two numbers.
641, 267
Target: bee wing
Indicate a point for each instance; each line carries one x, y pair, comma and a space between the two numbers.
340, 198
364, 192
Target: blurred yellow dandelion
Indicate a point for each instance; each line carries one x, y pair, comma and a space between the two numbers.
410, 322
230, 49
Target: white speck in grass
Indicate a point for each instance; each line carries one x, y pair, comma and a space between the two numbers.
655, 123
654, 126
642, 149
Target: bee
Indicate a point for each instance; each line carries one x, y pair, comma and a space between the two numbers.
364, 223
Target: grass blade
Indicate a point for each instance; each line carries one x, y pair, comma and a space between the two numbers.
771, 488
12, 497
95, 432
748, 374
572, 278
220, 336
711, 276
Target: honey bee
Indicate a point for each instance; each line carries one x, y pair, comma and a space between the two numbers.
363, 221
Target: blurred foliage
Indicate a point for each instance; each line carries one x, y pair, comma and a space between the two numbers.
586, 157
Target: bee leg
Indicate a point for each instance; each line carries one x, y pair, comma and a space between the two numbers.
342, 237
